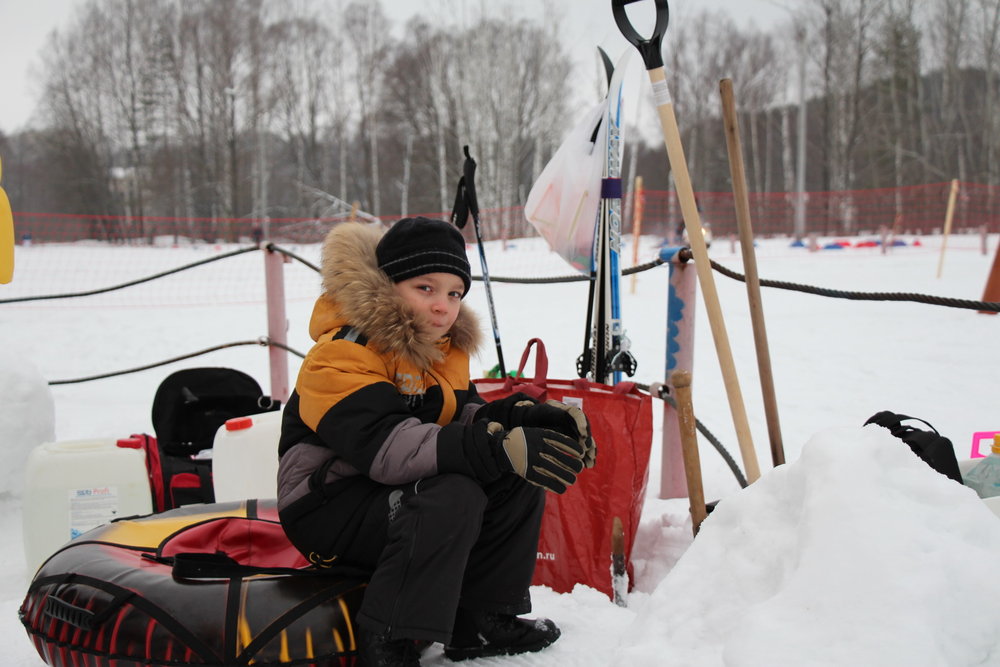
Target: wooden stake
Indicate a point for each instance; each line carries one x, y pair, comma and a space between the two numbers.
681, 381
742, 202
948, 216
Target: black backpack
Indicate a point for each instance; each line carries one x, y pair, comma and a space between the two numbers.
935, 449
188, 408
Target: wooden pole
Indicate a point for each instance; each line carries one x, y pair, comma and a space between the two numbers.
742, 202
637, 208
696, 239
948, 217
681, 381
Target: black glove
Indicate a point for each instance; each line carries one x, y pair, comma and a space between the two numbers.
541, 456
507, 411
566, 419
521, 410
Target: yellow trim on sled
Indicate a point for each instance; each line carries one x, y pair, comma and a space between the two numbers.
152, 530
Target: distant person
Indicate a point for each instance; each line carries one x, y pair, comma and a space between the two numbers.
390, 461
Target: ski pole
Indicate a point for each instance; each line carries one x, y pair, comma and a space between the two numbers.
738, 173
466, 203
650, 49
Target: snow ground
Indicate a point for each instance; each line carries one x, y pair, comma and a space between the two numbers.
853, 553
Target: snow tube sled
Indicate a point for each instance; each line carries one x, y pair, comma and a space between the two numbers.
215, 584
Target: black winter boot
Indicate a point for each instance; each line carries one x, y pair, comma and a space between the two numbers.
482, 634
377, 650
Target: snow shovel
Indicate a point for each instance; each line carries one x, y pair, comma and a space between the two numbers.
650, 49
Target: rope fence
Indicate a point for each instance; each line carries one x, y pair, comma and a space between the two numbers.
658, 390
685, 255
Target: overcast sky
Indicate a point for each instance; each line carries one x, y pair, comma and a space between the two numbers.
25, 24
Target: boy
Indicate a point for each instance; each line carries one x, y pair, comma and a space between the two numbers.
390, 461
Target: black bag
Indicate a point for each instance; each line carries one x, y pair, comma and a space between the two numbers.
188, 408
935, 449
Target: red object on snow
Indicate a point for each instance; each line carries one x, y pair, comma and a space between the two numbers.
576, 540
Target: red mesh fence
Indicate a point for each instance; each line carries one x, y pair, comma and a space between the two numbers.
909, 210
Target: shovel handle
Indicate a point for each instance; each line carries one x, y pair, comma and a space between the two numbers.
651, 48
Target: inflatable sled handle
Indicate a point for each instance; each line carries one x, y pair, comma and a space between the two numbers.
221, 566
650, 49
78, 617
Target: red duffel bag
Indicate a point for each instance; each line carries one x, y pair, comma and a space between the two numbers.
576, 540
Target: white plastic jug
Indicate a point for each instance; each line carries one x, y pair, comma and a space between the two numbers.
75, 485
964, 466
245, 457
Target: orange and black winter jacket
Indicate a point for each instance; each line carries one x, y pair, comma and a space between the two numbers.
374, 397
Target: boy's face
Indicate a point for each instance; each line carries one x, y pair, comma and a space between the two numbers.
435, 299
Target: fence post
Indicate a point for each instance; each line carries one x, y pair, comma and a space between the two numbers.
277, 322
680, 356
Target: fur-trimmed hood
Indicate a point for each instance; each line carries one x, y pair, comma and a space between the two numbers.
357, 293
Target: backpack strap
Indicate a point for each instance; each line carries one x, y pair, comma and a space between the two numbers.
892, 421
351, 334
220, 566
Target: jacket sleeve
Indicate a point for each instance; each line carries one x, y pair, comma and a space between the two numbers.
346, 395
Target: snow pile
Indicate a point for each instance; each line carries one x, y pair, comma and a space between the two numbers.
27, 418
856, 553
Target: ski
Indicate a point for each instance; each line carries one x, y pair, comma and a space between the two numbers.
610, 356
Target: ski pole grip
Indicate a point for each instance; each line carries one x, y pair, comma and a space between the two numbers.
650, 49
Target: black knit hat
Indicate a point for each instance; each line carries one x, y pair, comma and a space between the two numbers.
415, 246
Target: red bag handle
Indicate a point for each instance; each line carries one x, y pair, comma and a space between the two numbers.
623, 387
541, 365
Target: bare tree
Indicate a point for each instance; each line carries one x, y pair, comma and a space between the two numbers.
367, 30
986, 33
302, 91
948, 21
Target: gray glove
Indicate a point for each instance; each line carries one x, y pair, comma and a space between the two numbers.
544, 457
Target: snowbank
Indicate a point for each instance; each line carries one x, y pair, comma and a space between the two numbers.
856, 553
27, 418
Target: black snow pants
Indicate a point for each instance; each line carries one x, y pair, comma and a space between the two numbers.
434, 546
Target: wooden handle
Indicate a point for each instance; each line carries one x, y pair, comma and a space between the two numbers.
742, 203
692, 223
681, 381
